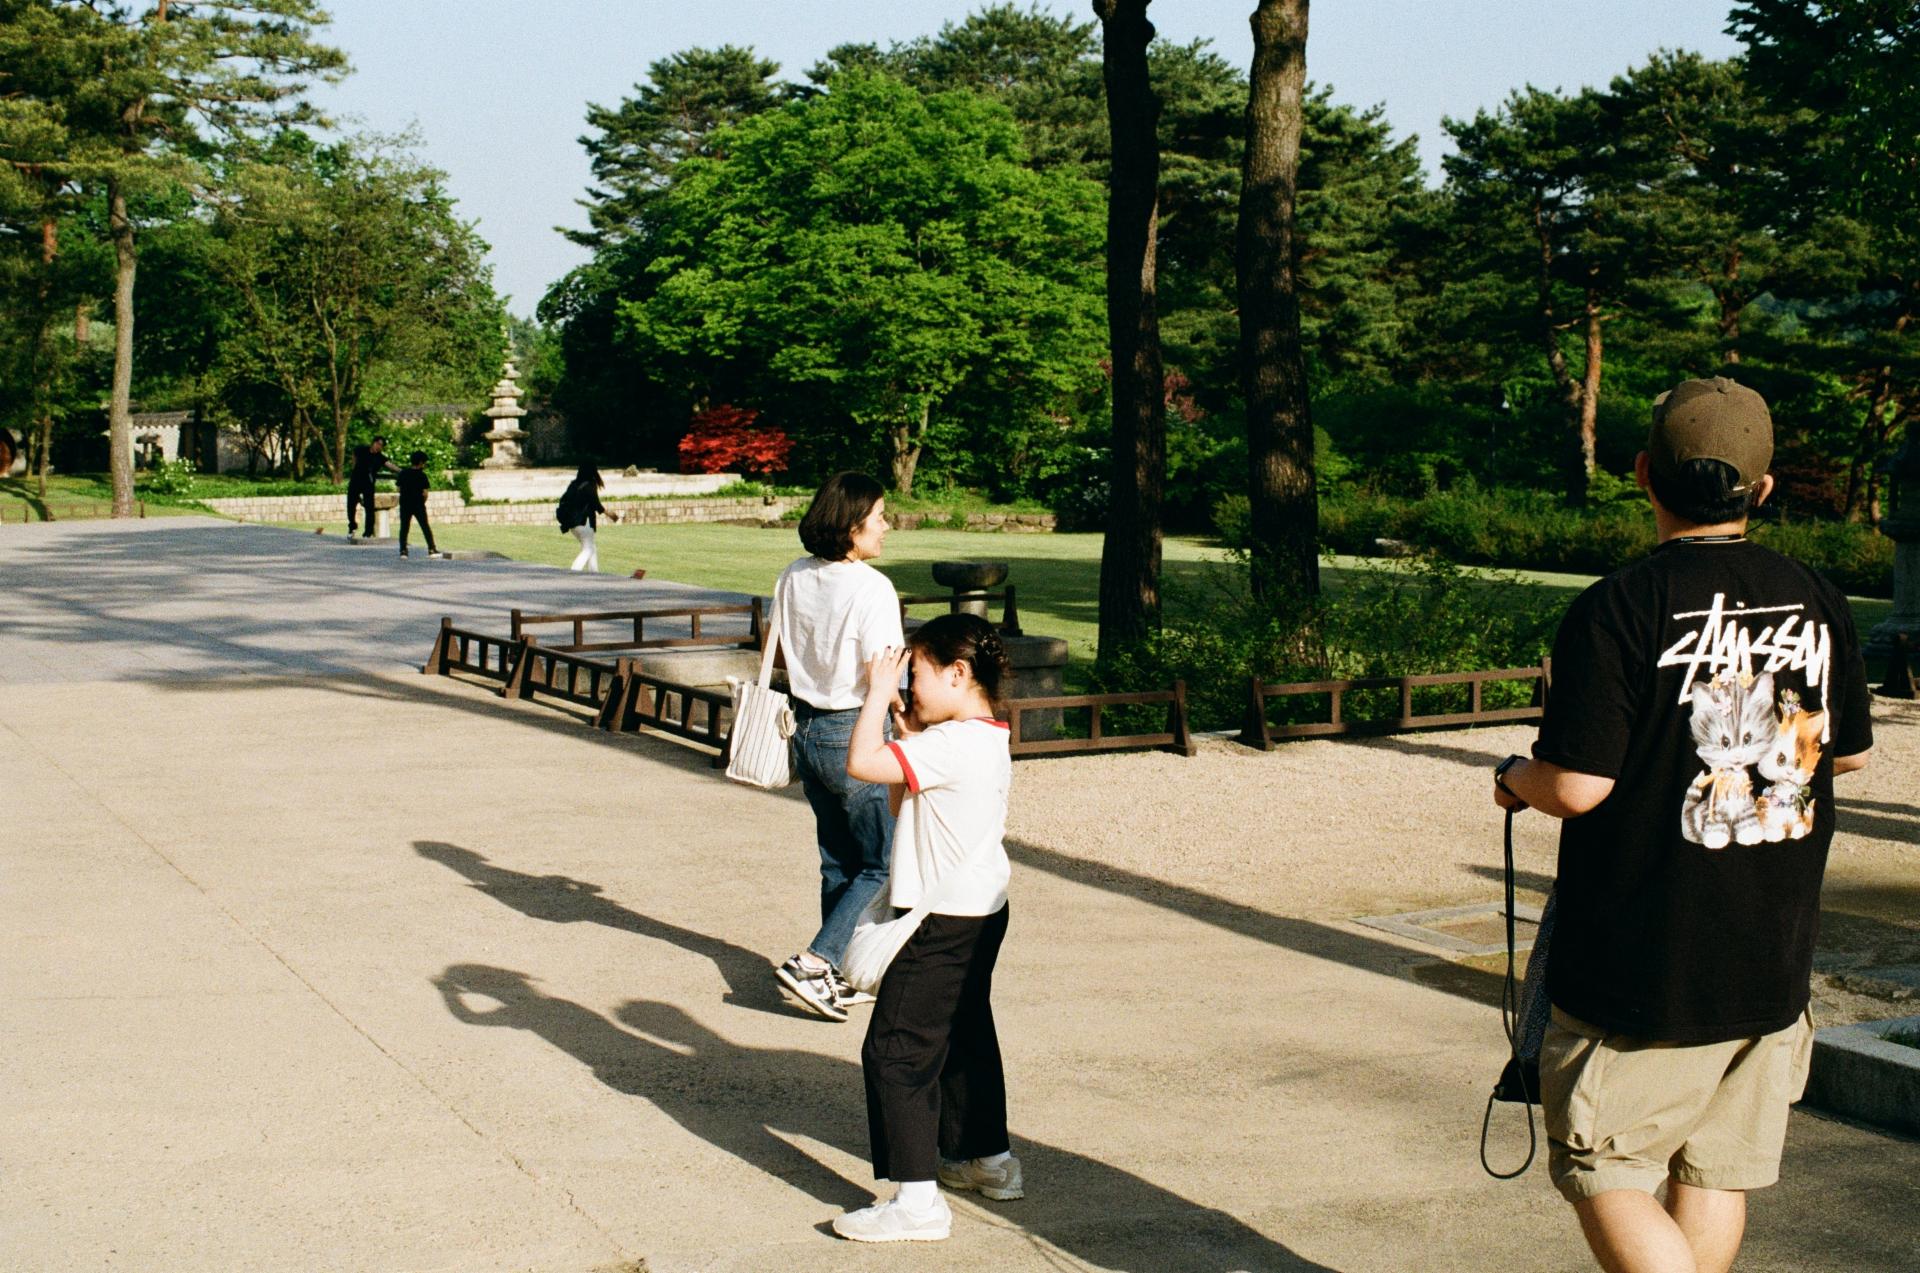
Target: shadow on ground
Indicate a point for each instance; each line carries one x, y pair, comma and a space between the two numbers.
741, 1099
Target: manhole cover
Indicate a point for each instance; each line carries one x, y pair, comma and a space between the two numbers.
1480, 929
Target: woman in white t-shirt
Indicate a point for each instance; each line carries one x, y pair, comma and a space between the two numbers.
936, 1093
835, 613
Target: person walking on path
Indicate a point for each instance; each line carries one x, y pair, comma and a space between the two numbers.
369, 462
578, 513
834, 613
413, 484
1703, 700
936, 1092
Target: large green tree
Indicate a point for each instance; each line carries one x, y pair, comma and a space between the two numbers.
358, 282
878, 253
1843, 72
636, 144
166, 82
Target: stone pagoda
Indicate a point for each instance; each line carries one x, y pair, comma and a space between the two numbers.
506, 435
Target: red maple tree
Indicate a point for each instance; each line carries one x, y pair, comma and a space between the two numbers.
725, 438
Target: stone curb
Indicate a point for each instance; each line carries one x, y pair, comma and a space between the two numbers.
1856, 1072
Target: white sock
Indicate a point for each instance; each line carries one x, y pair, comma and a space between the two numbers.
917, 1195
994, 1160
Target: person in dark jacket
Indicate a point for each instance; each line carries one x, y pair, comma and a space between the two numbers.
413, 484
369, 462
578, 512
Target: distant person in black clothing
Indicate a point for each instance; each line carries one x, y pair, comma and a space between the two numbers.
577, 513
368, 463
412, 482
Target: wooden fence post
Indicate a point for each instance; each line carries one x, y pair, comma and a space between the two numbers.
1182, 740
517, 685
513, 630
1254, 733
758, 632
437, 661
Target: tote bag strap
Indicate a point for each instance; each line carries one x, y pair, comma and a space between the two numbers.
773, 641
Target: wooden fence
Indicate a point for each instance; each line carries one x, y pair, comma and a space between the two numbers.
34, 511
520, 621
643, 701
1257, 732
1176, 736
453, 651
558, 674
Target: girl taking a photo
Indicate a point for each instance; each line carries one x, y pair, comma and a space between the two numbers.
936, 1094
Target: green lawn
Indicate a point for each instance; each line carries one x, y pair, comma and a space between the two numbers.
68, 497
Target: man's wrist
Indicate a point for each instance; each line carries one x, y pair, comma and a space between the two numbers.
1500, 772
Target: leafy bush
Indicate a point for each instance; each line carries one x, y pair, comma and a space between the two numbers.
1535, 531
434, 435
1421, 615
726, 438
171, 479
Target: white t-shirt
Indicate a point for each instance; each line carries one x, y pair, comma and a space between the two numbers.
834, 616
958, 775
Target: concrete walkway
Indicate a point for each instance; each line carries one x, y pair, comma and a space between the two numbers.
316, 963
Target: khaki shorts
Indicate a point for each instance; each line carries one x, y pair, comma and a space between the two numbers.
1625, 1113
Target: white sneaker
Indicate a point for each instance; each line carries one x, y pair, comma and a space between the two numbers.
1000, 1182
891, 1222
844, 994
814, 989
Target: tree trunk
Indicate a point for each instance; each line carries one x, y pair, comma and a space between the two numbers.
1732, 302
43, 355
1283, 505
1130, 553
904, 444
1573, 399
1590, 397
120, 404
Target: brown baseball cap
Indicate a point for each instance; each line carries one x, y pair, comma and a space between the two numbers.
1712, 420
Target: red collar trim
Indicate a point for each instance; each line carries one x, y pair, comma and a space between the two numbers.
989, 720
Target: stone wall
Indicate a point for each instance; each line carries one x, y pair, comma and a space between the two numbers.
447, 508
320, 508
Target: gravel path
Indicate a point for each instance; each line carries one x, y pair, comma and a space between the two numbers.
1330, 830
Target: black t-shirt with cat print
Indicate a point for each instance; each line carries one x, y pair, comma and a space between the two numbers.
1714, 681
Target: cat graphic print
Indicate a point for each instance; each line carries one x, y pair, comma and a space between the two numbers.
1739, 725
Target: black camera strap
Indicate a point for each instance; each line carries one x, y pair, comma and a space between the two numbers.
1509, 1021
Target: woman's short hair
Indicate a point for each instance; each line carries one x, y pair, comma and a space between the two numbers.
839, 506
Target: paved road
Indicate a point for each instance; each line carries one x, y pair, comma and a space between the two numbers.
316, 963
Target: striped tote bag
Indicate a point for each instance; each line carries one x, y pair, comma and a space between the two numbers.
758, 750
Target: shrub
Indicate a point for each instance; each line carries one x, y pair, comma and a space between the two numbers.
725, 438
1425, 614
171, 479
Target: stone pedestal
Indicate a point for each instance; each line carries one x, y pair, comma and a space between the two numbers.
1902, 526
1038, 662
1906, 601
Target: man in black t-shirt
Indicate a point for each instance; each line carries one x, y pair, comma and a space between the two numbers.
1702, 701
413, 483
369, 462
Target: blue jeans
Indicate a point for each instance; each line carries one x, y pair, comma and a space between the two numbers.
851, 821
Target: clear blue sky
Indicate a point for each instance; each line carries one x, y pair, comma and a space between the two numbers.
498, 90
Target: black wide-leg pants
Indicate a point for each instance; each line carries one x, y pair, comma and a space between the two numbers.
935, 1087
